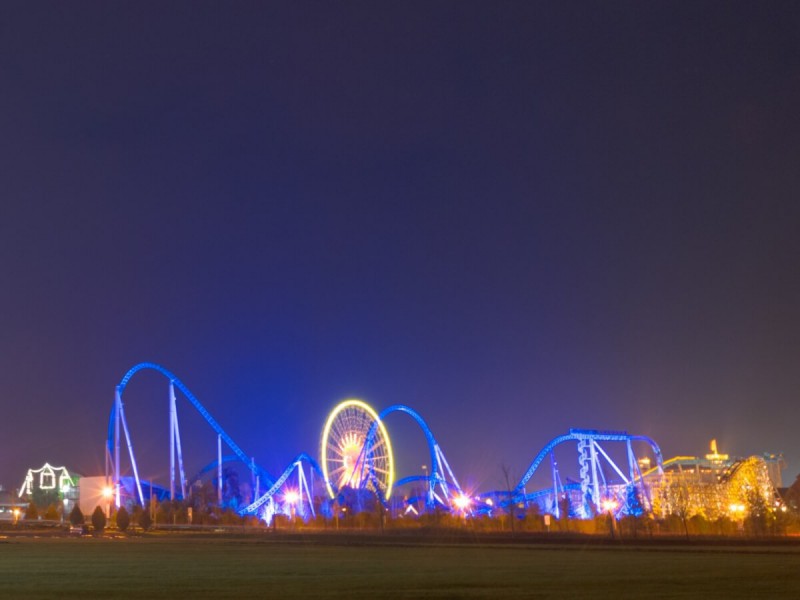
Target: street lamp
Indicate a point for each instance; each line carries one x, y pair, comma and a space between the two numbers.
462, 503
108, 494
609, 506
292, 497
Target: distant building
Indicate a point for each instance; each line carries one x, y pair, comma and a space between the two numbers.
94, 492
50, 485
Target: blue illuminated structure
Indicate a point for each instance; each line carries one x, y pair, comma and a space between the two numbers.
441, 474
603, 486
594, 486
302, 501
117, 424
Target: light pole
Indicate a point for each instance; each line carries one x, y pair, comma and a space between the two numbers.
462, 503
610, 505
108, 495
291, 498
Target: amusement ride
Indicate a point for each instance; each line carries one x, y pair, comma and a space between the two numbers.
356, 459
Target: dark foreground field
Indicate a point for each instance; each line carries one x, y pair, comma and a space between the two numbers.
228, 566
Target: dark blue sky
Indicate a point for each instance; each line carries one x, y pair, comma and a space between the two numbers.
515, 217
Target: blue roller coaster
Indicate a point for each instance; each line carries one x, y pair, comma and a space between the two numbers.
117, 424
356, 453
603, 485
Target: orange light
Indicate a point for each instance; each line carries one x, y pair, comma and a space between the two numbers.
609, 505
108, 492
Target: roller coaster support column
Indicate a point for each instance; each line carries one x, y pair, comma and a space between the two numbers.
253, 476
556, 507
595, 481
171, 441
117, 405
219, 470
631, 463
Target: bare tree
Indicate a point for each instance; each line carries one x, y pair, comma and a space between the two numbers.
512, 505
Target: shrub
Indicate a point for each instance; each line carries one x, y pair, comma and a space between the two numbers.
98, 520
145, 521
51, 514
31, 513
76, 516
123, 519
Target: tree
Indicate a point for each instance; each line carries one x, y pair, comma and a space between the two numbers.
512, 506
31, 513
793, 495
76, 517
679, 502
45, 497
759, 513
145, 521
98, 520
51, 514
231, 496
123, 519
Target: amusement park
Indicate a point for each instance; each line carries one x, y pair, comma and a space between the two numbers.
584, 480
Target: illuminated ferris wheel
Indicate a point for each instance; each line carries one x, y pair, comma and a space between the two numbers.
348, 458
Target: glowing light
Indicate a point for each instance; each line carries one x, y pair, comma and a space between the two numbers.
291, 497
49, 476
489, 502
343, 439
462, 502
715, 456
737, 508
609, 505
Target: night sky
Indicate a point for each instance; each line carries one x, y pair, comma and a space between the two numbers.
516, 217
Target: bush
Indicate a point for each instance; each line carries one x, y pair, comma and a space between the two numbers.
123, 519
31, 513
98, 520
51, 514
76, 516
144, 520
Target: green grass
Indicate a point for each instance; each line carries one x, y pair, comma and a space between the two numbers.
259, 567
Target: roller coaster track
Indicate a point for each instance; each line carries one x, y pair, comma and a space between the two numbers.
576, 435
440, 468
117, 418
593, 480
230, 458
280, 481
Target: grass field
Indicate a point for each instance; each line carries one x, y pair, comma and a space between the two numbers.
228, 566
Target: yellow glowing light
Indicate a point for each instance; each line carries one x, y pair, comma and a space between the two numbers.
489, 502
715, 455
349, 445
291, 497
609, 505
462, 502
108, 492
